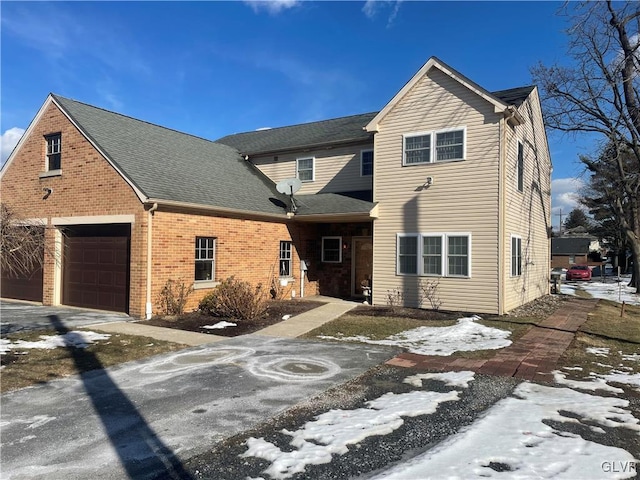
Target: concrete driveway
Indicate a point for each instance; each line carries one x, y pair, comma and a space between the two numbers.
18, 316
144, 419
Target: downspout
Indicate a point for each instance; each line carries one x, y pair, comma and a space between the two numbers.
149, 308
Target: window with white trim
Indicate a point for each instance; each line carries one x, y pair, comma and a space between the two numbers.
366, 163
285, 258
449, 145
305, 169
516, 256
436, 254
54, 151
205, 259
332, 249
520, 167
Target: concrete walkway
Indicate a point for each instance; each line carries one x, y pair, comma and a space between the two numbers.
532, 357
291, 328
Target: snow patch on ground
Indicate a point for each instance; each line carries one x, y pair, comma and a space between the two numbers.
611, 290
331, 432
572, 369
466, 335
220, 325
76, 338
451, 379
511, 440
593, 385
598, 351
633, 380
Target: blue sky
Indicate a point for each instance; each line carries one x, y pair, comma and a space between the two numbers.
214, 68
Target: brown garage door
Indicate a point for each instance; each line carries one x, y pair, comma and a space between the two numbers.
96, 267
25, 286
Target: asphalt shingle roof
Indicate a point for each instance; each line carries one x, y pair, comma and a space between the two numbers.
570, 245
166, 164
335, 130
514, 96
330, 203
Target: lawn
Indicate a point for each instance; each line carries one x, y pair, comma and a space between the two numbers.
606, 341
379, 323
23, 367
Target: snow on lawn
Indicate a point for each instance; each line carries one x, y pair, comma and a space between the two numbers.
77, 339
219, 325
450, 379
331, 432
593, 384
511, 440
611, 290
466, 335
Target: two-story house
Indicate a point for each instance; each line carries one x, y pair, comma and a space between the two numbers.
448, 184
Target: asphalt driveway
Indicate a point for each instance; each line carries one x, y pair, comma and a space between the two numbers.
145, 419
18, 316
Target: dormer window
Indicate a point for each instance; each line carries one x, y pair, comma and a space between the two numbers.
54, 151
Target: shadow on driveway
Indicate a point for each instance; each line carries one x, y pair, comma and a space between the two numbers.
141, 452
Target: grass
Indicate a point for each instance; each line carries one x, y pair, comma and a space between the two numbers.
374, 327
605, 328
605, 321
38, 366
380, 327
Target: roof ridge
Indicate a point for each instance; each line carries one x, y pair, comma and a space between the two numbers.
514, 88
56, 97
267, 129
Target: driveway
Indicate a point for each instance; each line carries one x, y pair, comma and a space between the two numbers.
18, 316
145, 419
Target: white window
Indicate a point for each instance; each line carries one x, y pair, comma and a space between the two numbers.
332, 249
449, 145
520, 167
205, 258
408, 254
54, 151
285, 258
432, 255
305, 169
366, 163
440, 254
417, 149
516, 256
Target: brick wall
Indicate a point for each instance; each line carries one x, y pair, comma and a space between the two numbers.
88, 186
247, 249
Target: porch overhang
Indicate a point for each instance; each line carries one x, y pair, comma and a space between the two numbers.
353, 217
334, 208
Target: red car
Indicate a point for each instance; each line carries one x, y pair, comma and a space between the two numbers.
579, 272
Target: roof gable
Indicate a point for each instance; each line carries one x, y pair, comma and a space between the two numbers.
499, 104
570, 245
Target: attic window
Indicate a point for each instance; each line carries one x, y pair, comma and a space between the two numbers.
54, 151
305, 169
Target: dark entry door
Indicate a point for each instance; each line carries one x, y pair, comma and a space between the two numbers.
96, 267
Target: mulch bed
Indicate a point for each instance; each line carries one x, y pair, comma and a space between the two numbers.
414, 313
194, 321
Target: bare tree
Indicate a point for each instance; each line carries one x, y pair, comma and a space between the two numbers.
601, 94
22, 247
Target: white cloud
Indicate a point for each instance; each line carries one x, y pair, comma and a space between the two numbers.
372, 7
273, 7
564, 196
9, 140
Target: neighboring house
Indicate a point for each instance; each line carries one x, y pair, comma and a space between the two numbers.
447, 183
573, 250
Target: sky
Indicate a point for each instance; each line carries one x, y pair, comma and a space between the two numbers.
216, 68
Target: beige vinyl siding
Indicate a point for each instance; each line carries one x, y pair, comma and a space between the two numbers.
463, 197
336, 169
527, 213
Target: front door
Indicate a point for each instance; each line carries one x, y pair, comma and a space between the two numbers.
362, 264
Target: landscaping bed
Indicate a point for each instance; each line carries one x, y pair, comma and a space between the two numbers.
196, 321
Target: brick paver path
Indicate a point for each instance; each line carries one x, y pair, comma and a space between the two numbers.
532, 357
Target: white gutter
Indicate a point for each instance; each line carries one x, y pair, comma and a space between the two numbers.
149, 307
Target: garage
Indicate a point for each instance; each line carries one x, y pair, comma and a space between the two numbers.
26, 285
96, 266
